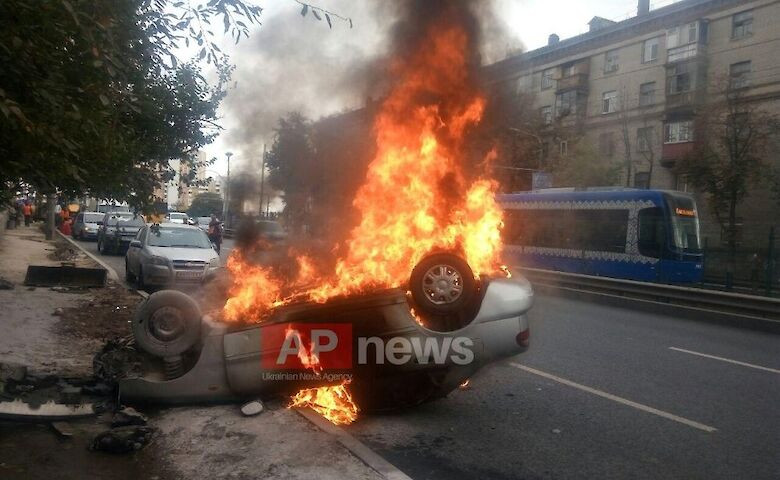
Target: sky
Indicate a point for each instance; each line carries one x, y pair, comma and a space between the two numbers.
291, 62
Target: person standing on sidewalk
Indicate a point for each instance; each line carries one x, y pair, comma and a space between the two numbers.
27, 212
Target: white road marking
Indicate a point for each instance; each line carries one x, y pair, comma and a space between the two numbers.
728, 360
615, 398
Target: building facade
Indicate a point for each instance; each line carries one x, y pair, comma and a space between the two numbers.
634, 90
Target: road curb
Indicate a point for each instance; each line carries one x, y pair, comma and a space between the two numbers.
358, 448
111, 272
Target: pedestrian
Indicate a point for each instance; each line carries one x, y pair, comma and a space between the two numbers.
215, 232
27, 212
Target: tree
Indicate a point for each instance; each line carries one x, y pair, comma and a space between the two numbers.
205, 204
292, 167
730, 155
93, 98
582, 166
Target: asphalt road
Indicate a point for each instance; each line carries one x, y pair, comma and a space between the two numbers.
117, 261
691, 417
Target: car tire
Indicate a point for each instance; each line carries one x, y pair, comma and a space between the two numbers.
442, 284
167, 323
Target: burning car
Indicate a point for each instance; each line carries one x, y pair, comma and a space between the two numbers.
403, 347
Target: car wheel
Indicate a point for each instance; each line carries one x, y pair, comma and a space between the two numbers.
128, 274
442, 284
168, 323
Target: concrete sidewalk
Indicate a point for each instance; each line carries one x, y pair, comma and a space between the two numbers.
193, 442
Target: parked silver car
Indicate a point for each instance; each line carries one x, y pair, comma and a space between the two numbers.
169, 255
86, 225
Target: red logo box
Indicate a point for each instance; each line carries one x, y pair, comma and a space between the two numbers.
306, 346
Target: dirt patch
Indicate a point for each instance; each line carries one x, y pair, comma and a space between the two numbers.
104, 316
64, 252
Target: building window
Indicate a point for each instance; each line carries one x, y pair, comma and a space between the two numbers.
567, 70
609, 102
546, 113
644, 139
611, 61
547, 78
682, 35
683, 184
680, 79
646, 94
739, 75
678, 132
742, 24
607, 144
682, 42
564, 147
642, 180
566, 103
650, 50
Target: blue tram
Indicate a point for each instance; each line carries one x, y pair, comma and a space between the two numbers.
645, 235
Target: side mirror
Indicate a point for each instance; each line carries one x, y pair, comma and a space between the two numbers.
135, 243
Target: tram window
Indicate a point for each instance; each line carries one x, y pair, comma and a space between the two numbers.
597, 230
651, 232
602, 230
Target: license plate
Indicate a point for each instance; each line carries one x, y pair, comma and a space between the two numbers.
189, 274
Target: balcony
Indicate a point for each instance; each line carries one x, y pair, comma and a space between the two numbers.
577, 81
671, 152
683, 102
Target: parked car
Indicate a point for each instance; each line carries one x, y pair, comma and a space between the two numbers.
117, 230
170, 254
271, 230
86, 225
177, 217
203, 223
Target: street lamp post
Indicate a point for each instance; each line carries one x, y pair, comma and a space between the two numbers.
226, 206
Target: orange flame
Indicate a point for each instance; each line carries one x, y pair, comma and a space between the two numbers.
334, 403
412, 201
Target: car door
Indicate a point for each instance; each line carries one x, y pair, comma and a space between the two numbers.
133, 253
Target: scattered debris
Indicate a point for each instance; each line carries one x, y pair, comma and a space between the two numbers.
58, 312
250, 409
6, 284
22, 411
122, 439
117, 359
128, 416
62, 429
556, 430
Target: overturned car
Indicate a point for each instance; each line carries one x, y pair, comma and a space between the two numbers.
396, 347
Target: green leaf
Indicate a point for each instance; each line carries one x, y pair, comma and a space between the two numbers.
304, 10
327, 17
316, 15
103, 100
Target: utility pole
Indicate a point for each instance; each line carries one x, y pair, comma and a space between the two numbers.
226, 206
262, 180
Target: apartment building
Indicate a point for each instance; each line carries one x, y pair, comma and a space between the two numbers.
633, 88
